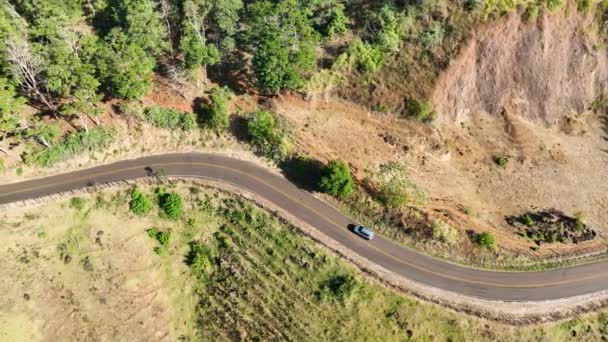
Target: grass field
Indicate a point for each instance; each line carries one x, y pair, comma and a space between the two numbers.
227, 271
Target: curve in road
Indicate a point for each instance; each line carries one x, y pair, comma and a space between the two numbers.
485, 284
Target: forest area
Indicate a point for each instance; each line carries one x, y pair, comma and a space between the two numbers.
60, 59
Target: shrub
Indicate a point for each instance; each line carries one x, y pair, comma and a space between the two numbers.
73, 144
169, 118
444, 232
335, 21
527, 220
161, 237
77, 203
532, 12
501, 161
199, 259
216, 115
140, 203
432, 36
171, 204
364, 56
472, 5
584, 5
392, 186
266, 135
336, 179
486, 240
420, 110
338, 287
388, 23
579, 223
554, 4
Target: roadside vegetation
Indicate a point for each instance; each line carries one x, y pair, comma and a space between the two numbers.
69, 69
228, 268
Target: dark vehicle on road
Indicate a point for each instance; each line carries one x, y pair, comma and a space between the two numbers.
363, 232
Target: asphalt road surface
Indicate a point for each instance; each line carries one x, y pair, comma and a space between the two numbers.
494, 285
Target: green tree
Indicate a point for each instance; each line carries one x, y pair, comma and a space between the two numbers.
225, 16
140, 22
216, 114
140, 203
284, 43
171, 204
336, 179
125, 69
46, 134
336, 21
193, 43
10, 104
266, 135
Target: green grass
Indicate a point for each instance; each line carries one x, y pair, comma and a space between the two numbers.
257, 279
231, 271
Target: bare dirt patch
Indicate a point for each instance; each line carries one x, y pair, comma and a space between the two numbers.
547, 68
454, 163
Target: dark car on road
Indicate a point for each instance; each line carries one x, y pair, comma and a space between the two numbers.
363, 232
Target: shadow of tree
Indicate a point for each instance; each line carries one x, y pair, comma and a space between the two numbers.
233, 73
238, 127
303, 171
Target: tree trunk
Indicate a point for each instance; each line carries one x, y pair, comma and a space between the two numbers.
95, 119
84, 122
44, 142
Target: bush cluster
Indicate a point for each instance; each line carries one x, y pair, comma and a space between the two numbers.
393, 187
161, 237
140, 203
169, 118
486, 240
74, 143
171, 204
215, 115
420, 110
266, 135
338, 287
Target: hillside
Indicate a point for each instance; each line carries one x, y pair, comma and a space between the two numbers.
446, 120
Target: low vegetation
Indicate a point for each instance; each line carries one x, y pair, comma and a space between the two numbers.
171, 204
140, 203
161, 237
552, 226
247, 275
391, 185
215, 115
73, 144
169, 118
486, 240
267, 135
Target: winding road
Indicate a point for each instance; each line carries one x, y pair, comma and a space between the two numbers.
485, 284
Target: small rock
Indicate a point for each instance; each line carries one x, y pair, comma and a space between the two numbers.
26, 296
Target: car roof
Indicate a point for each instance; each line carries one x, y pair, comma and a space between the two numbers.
366, 230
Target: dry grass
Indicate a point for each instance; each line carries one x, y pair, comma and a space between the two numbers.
267, 281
